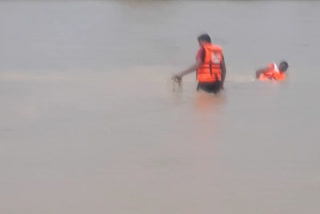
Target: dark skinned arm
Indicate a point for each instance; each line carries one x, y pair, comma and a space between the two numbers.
194, 67
223, 72
260, 71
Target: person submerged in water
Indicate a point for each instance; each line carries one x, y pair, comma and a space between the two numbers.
210, 66
273, 72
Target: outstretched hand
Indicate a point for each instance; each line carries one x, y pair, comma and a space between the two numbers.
177, 78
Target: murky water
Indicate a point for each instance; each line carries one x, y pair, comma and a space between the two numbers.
90, 124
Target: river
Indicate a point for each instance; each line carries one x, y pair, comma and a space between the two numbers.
90, 122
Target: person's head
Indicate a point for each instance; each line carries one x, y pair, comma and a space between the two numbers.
203, 39
283, 66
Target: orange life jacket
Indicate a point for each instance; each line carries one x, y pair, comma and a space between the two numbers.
279, 76
210, 70
272, 73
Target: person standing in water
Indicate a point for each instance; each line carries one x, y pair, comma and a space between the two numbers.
210, 66
273, 72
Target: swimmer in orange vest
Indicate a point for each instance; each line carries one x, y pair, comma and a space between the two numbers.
273, 72
210, 67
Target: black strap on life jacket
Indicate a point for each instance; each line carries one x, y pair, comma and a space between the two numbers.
210, 67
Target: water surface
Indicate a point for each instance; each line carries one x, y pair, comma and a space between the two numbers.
90, 124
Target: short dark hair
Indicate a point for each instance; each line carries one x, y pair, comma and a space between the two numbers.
204, 37
285, 64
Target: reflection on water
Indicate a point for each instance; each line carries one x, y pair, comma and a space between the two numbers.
209, 102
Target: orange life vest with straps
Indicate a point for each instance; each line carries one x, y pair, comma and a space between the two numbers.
272, 73
210, 69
